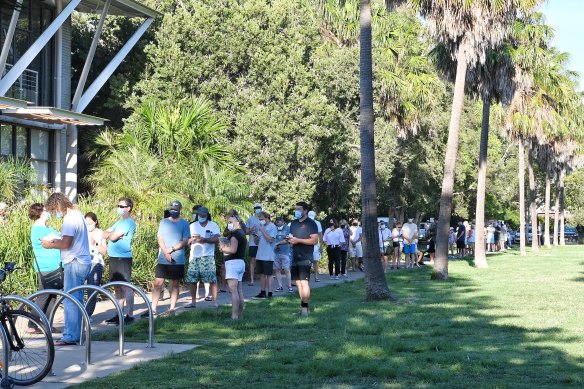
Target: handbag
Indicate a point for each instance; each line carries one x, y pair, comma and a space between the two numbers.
54, 279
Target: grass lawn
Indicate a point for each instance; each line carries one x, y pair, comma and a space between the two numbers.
519, 323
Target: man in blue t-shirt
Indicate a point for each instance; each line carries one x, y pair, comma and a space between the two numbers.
173, 237
119, 249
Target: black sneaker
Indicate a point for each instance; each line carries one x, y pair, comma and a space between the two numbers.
128, 319
113, 320
260, 296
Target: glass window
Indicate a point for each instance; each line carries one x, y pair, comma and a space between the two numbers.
39, 144
41, 169
21, 142
5, 140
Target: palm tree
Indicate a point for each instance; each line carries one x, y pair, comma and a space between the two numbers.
375, 281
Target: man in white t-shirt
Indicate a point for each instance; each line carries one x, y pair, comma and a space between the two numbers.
76, 259
317, 247
384, 242
265, 255
252, 228
356, 248
204, 235
410, 235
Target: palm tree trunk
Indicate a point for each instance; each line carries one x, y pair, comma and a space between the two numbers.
375, 281
480, 259
522, 199
557, 213
548, 190
440, 270
532, 195
562, 205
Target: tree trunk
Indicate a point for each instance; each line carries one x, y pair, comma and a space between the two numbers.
522, 199
562, 205
532, 195
480, 259
548, 190
557, 213
375, 281
441, 260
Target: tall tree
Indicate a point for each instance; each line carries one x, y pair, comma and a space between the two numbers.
375, 281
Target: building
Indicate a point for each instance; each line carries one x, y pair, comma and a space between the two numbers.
39, 108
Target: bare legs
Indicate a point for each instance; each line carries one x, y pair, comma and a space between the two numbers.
157, 286
304, 293
236, 291
125, 297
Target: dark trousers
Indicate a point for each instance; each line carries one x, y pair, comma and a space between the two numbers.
45, 302
344, 256
334, 257
93, 278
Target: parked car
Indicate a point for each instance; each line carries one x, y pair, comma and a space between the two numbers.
517, 236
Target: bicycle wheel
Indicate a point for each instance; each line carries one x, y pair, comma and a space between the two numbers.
31, 353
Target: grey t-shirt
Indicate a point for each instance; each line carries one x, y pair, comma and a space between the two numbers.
74, 226
266, 249
284, 248
251, 223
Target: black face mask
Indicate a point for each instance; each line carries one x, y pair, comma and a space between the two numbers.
343, 226
355, 224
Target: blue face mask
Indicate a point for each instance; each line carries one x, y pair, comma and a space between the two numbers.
258, 211
174, 214
120, 211
202, 219
297, 214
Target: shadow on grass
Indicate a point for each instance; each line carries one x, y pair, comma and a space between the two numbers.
440, 334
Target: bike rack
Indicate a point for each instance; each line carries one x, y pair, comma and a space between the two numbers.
146, 300
29, 303
85, 322
119, 310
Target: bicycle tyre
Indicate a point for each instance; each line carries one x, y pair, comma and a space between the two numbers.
27, 348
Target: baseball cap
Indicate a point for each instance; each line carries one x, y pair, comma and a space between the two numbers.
203, 211
257, 205
312, 214
175, 205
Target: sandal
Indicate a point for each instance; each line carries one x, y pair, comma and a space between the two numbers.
317, 280
208, 298
64, 343
189, 306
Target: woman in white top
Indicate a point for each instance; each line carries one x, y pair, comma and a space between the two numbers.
97, 249
384, 241
333, 238
396, 237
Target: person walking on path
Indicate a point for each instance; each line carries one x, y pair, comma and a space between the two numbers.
173, 237
97, 249
282, 255
345, 246
233, 247
76, 259
119, 249
317, 247
303, 237
410, 236
333, 238
265, 256
204, 235
253, 225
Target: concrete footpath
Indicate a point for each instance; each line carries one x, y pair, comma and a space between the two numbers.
69, 367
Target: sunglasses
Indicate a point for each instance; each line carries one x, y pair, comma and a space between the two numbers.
123, 206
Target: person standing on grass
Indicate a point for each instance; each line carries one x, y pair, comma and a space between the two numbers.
265, 256
204, 234
345, 246
303, 237
253, 225
460, 239
173, 237
233, 247
397, 241
97, 248
410, 236
317, 248
471, 240
384, 240
356, 246
333, 238
119, 249
490, 238
282, 254
451, 240
76, 259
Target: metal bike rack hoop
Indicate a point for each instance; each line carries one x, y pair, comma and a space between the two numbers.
29, 303
146, 300
64, 295
116, 304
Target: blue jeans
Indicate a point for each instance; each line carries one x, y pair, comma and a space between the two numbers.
75, 275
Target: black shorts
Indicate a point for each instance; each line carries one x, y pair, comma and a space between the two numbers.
395, 244
300, 273
264, 267
253, 251
460, 244
120, 269
170, 272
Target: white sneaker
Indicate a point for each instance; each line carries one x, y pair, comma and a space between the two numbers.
336, 277
345, 275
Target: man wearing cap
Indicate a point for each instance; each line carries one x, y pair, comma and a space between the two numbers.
253, 226
410, 235
173, 237
317, 247
204, 234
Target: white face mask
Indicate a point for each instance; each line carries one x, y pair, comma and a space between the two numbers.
410, 220
230, 226
90, 227
262, 222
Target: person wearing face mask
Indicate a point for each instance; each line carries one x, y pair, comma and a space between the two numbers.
45, 260
204, 235
303, 237
265, 255
233, 249
384, 239
119, 249
356, 246
97, 249
317, 247
76, 259
333, 238
282, 254
410, 237
345, 246
253, 225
